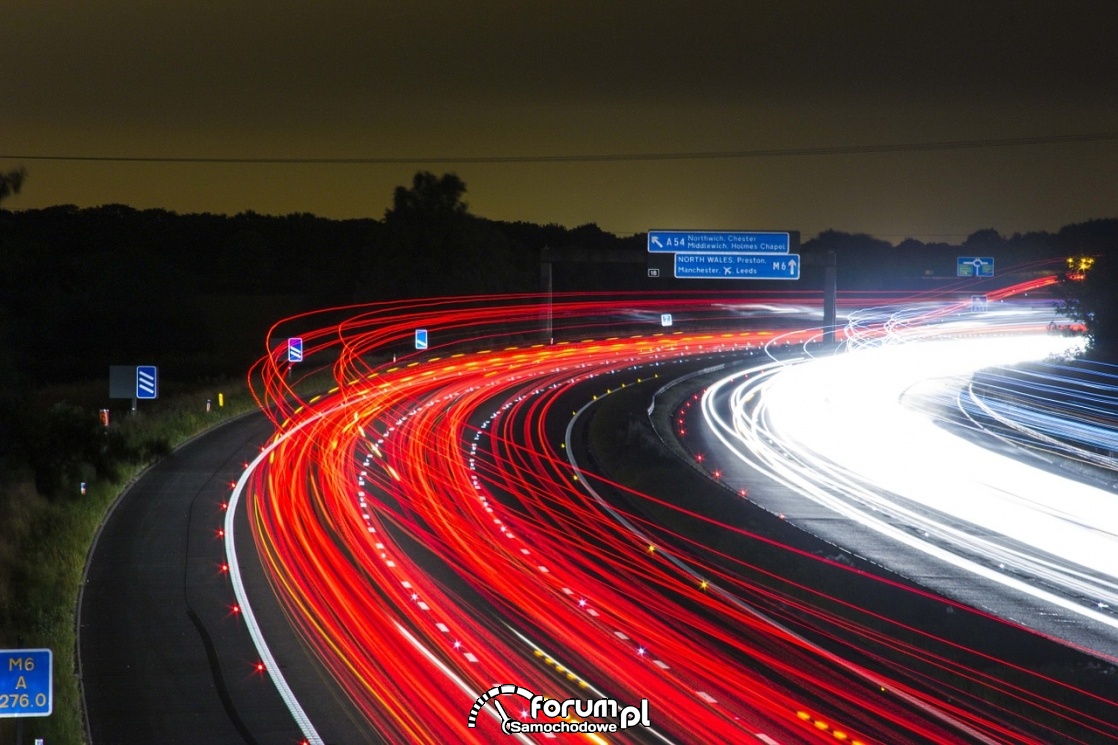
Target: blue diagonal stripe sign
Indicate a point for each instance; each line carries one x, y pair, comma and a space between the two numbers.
147, 385
295, 349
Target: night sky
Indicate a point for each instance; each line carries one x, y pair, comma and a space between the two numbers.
511, 95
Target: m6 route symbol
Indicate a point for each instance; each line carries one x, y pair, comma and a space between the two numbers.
26, 683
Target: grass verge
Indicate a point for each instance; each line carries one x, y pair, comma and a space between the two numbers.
44, 544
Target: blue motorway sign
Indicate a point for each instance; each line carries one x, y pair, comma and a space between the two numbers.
421, 338
26, 683
709, 241
975, 266
295, 349
739, 266
147, 385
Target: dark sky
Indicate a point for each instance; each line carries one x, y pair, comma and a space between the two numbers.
533, 80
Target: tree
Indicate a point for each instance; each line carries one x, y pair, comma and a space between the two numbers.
987, 238
11, 182
863, 261
1087, 295
429, 198
432, 245
1087, 288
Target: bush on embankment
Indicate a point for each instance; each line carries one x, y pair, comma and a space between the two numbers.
48, 520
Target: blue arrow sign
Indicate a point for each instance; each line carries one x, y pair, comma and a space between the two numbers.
975, 266
708, 241
739, 266
147, 377
421, 338
295, 349
26, 683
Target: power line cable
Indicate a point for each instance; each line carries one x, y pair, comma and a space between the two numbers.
910, 147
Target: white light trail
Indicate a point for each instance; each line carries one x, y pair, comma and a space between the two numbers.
858, 433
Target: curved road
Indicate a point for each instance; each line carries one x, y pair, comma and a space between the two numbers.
194, 663
163, 657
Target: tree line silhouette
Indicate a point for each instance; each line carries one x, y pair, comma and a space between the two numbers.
85, 288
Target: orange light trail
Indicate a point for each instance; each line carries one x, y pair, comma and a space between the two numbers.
428, 538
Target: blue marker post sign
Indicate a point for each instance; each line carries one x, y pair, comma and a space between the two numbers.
26, 683
295, 349
147, 382
421, 338
710, 241
740, 266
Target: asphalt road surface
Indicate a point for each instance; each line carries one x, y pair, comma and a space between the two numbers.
163, 656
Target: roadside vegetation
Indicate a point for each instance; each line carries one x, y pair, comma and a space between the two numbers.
85, 288
49, 522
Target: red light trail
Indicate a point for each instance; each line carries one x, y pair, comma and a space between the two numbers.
426, 532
